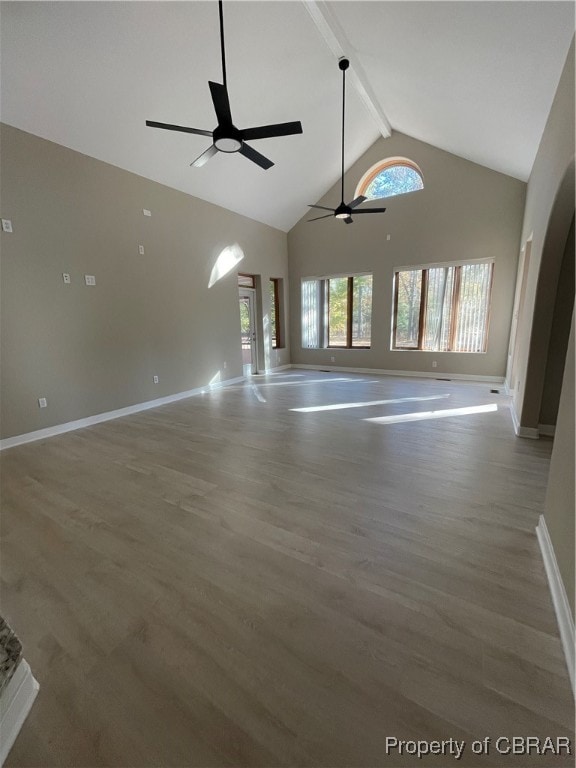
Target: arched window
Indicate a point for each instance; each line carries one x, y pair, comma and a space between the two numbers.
393, 176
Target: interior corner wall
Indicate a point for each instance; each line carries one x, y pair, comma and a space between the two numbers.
553, 168
559, 506
559, 333
93, 349
465, 211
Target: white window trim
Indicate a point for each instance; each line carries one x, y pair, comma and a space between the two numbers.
440, 264
334, 275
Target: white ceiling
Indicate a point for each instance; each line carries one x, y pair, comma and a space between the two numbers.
474, 78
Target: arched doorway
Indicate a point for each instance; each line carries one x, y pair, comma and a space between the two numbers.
538, 373
559, 335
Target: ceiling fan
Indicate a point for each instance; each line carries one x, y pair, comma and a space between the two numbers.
226, 137
344, 211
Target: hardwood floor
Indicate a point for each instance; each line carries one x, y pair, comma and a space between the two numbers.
229, 581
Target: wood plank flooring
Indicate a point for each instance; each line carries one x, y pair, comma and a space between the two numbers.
227, 581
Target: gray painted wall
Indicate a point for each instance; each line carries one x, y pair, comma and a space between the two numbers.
465, 211
90, 350
548, 216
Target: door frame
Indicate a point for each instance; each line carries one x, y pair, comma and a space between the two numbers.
250, 294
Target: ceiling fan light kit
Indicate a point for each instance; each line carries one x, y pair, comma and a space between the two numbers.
344, 211
226, 137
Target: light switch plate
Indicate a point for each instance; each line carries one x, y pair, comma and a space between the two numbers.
42, 402
90, 279
66, 277
6, 225
141, 250
146, 212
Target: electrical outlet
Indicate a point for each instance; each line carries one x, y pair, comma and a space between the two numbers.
146, 212
387, 237
332, 359
141, 250
42, 402
225, 364
434, 364
66, 278
6, 225
90, 279
156, 379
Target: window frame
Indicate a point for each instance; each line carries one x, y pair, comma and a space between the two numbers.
383, 165
424, 269
246, 281
278, 342
324, 310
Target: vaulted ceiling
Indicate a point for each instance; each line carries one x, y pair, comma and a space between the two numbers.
474, 78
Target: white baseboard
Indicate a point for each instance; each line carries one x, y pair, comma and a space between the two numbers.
70, 426
415, 374
559, 597
547, 429
15, 703
278, 368
530, 432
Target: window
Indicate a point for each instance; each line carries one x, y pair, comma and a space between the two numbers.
276, 329
246, 281
442, 308
311, 314
337, 312
394, 176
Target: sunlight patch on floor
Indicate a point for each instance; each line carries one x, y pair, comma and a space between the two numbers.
434, 414
344, 406
306, 383
257, 394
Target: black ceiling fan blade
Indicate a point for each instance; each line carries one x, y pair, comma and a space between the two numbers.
204, 157
221, 103
349, 220
269, 131
256, 157
322, 208
357, 201
327, 216
169, 127
370, 210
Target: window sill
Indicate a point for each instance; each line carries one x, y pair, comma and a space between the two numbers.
435, 352
338, 349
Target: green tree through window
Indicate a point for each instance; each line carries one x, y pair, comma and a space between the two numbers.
394, 176
443, 309
337, 312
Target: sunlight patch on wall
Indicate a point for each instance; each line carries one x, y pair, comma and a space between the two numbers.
214, 381
225, 263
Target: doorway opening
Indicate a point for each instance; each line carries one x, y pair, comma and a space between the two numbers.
552, 315
247, 298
